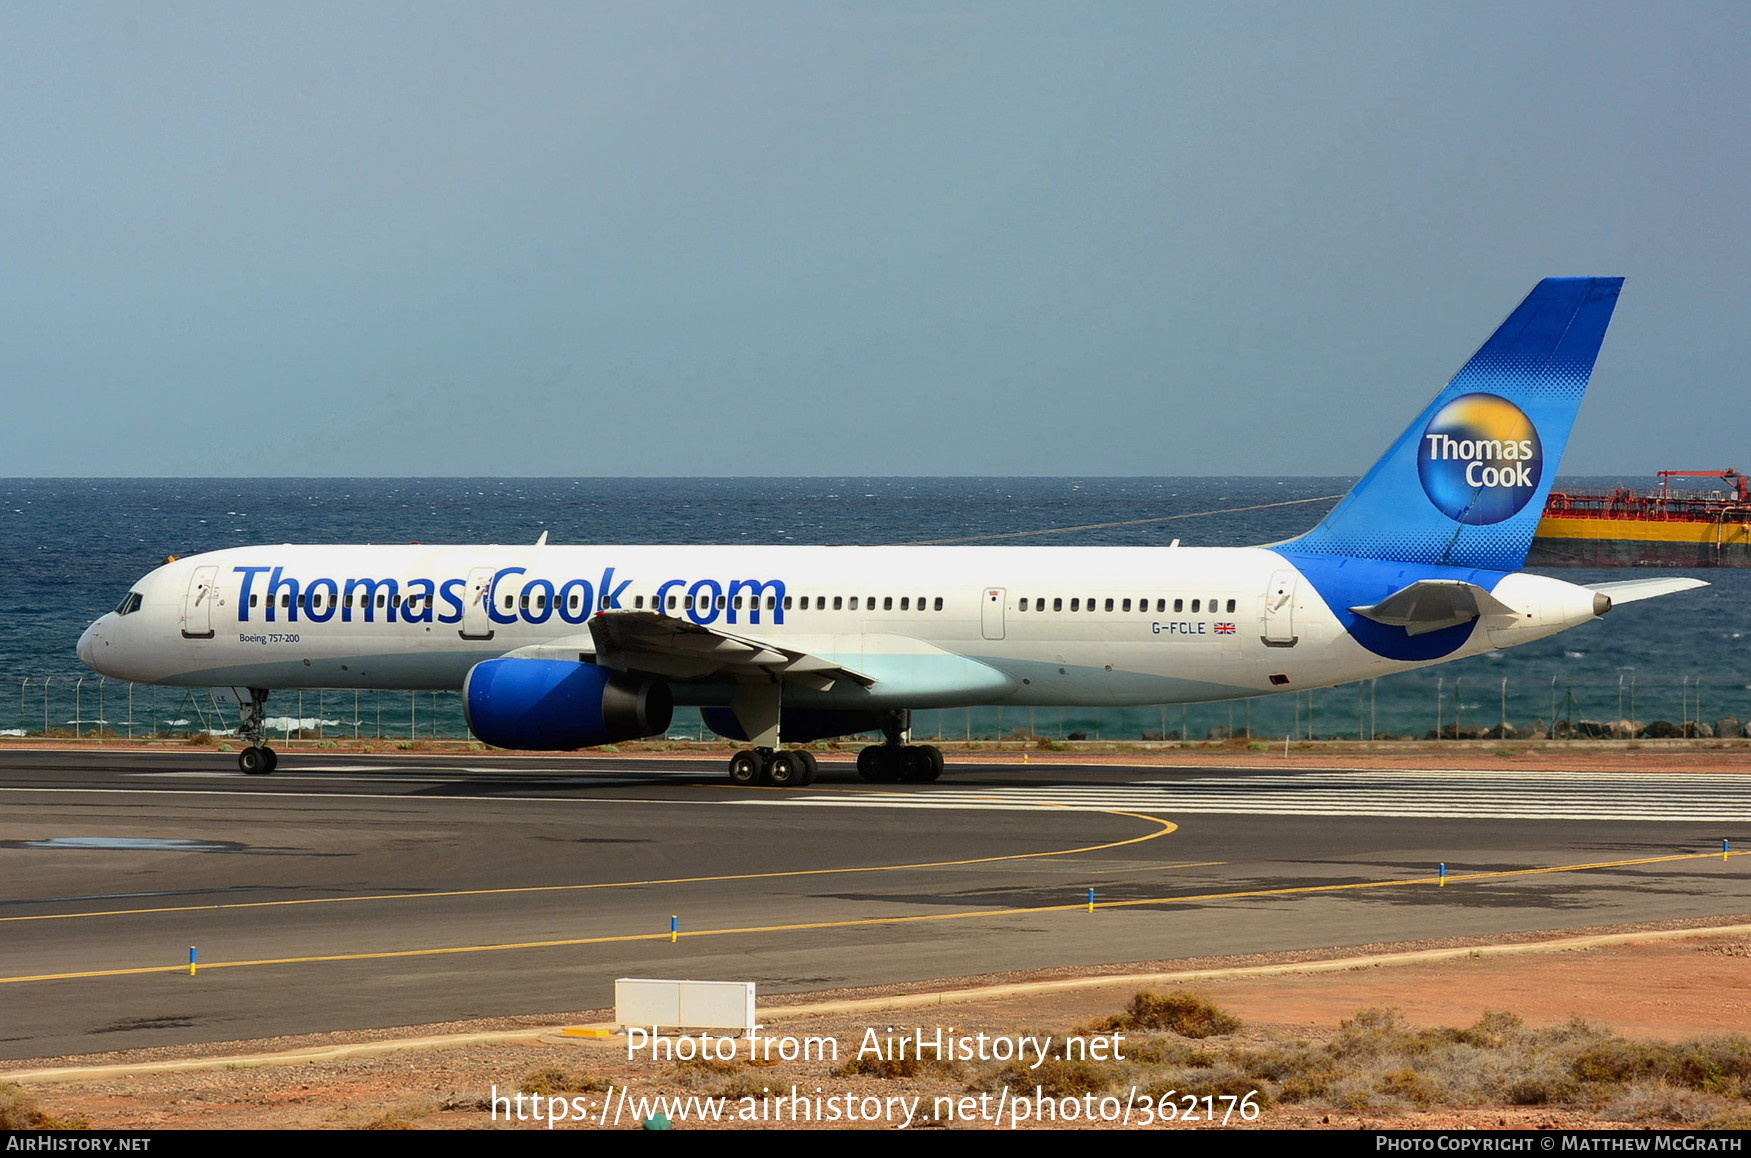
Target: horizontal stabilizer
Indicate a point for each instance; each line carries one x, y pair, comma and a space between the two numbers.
1432, 604
1630, 590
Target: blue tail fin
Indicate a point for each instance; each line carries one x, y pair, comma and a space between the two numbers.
1465, 485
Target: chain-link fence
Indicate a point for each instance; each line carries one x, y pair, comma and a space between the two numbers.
1415, 705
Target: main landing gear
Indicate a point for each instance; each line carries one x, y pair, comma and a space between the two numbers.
896, 760
256, 759
781, 769
900, 763
757, 712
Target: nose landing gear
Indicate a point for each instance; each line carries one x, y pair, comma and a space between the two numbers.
256, 759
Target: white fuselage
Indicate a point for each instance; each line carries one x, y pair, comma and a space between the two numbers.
926, 627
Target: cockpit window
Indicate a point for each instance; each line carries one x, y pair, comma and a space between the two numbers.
130, 603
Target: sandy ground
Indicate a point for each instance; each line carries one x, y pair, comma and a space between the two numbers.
1646, 982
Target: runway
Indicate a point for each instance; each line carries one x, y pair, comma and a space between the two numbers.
359, 891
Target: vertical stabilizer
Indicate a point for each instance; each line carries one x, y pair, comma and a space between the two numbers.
1465, 485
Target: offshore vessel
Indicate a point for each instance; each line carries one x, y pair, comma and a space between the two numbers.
1657, 528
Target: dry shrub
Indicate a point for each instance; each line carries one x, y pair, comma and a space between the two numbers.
1183, 1013
553, 1080
904, 1067
1056, 1077
704, 1072
19, 1111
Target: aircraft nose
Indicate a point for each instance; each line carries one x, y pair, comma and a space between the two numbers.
88, 645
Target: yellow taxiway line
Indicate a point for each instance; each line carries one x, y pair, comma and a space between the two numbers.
1078, 906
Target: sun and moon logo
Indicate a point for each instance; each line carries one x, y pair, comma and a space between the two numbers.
1480, 459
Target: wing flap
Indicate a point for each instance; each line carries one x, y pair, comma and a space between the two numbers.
644, 641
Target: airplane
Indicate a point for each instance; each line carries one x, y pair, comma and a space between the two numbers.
566, 647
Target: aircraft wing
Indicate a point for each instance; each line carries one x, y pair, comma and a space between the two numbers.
662, 645
646, 643
1431, 604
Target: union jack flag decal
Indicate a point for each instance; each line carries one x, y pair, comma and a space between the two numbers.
1225, 629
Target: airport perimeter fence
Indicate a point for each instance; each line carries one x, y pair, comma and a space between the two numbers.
1411, 706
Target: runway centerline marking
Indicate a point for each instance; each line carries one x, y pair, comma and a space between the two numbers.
1079, 906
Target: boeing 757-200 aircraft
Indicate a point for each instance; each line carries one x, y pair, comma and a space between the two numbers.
560, 647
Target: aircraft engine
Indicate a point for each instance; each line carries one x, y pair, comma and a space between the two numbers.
556, 705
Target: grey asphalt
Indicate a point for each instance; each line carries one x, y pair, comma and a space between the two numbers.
447, 888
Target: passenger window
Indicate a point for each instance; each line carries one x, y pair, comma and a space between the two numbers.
253, 600
1179, 605
1127, 606
939, 603
887, 603
1231, 605
1110, 604
1194, 607
905, 603
1058, 603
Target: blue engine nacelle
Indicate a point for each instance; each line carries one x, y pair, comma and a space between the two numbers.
798, 725
556, 705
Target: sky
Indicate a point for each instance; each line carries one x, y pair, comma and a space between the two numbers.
803, 239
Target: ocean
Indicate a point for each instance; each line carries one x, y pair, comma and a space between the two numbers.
75, 545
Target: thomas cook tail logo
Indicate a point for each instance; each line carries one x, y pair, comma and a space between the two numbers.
1480, 459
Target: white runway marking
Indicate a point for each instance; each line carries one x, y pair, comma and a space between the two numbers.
1417, 793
